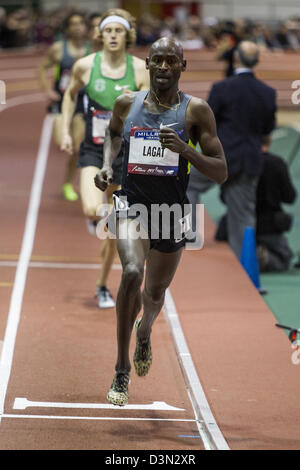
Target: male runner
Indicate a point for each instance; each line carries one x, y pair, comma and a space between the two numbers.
156, 125
105, 75
62, 55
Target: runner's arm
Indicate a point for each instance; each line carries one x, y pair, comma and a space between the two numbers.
69, 105
50, 60
113, 140
211, 160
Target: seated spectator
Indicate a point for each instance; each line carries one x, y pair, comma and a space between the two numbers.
293, 29
17, 30
44, 32
228, 41
282, 37
168, 27
274, 188
190, 39
2, 22
148, 30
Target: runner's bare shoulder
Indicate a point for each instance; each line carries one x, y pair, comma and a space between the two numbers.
141, 74
85, 63
198, 110
138, 63
55, 52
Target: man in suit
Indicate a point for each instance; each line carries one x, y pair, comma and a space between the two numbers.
244, 109
275, 187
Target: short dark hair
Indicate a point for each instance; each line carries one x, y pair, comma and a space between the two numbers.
67, 20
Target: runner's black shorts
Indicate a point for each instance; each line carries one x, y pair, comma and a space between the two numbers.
55, 106
92, 155
160, 243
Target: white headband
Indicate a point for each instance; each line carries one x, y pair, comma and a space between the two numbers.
114, 19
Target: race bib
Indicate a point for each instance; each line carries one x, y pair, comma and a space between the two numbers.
100, 122
146, 155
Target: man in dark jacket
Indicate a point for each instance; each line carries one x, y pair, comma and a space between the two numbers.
275, 187
245, 109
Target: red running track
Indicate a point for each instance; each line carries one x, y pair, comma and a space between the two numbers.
64, 350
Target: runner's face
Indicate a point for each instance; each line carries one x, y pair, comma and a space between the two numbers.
165, 65
114, 37
77, 27
94, 28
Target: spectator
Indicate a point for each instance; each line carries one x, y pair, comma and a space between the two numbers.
22, 28
191, 39
168, 27
17, 30
244, 108
44, 32
227, 45
282, 37
147, 30
274, 188
2, 22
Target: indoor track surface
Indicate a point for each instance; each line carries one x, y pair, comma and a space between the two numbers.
222, 376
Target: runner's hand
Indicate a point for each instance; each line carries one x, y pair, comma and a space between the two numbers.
103, 178
67, 144
128, 92
52, 95
171, 140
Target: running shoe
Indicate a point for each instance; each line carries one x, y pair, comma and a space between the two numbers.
91, 226
142, 358
118, 393
68, 192
105, 299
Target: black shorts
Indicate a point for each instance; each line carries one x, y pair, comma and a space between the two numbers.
55, 106
92, 155
165, 244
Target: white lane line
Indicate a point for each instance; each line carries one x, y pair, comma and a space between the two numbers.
22, 99
25, 255
23, 403
54, 265
214, 438
96, 418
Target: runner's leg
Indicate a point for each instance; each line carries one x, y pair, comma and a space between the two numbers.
160, 270
109, 248
67, 188
91, 197
133, 253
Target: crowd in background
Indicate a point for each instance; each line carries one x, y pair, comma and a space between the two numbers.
23, 28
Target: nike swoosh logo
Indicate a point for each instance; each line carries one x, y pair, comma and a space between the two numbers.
119, 88
168, 125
